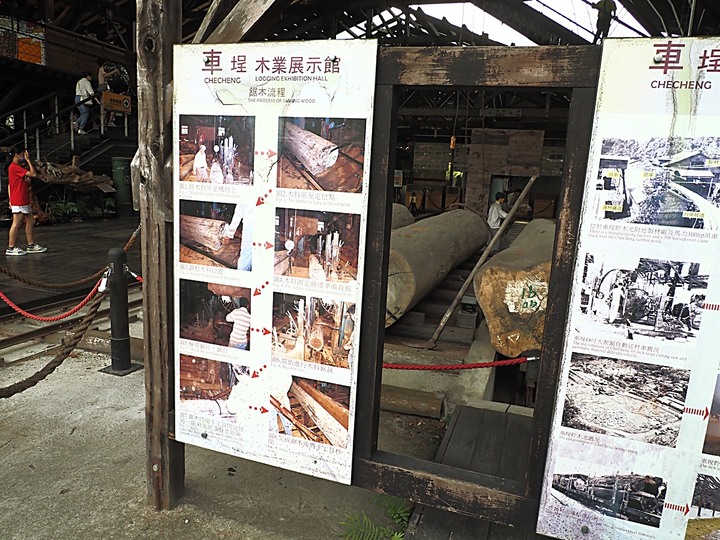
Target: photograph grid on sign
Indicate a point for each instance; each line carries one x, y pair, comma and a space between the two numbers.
216, 234
672, 182
217, 149
216, 314
322, 154
641, 299
631, 400
315, 330
317, 245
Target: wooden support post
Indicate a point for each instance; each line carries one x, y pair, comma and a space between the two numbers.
582, 111
372, 326
158, 29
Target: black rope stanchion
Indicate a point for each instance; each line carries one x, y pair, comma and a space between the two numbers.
119, 324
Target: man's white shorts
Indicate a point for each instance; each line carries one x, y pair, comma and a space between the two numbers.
24, 209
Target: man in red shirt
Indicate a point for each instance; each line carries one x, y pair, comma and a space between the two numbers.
19, 194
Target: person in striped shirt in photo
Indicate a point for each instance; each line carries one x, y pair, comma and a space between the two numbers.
240, 319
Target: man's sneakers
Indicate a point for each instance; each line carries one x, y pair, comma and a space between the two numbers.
35, 248
32, 248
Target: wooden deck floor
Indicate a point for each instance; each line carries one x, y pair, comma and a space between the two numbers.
494, 442
75, 251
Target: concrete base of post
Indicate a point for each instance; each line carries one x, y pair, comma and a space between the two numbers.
121, 373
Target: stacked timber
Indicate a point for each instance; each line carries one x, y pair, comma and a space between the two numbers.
512, 287
422, 254
401, 216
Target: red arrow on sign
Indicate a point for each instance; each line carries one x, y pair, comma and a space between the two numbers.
268, 245
263, 410
257, 292
270, 153
699, 412
685, 509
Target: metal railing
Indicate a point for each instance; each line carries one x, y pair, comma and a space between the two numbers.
49, 124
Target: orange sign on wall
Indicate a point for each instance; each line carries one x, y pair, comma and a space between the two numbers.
116, 102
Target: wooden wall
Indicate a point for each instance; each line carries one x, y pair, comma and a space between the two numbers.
505, 152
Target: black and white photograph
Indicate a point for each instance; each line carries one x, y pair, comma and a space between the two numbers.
627, 496
631, 400
215, 313
317, 245
706, 500
662, 181
314, 330
711, 444
216, 234
217, 149
322, 154
640, 299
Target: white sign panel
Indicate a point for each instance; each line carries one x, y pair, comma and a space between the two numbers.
272, 154
635, 445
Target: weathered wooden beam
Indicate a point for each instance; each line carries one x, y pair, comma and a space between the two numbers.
336, 433
158, 29
372, 324
410, 401
582, 111
448, 488
336, 410
529, 22
521, 67
210, 18
241, 18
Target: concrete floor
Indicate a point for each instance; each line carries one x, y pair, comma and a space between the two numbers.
72, 465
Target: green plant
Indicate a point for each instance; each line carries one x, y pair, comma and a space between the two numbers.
61, 209
361, 527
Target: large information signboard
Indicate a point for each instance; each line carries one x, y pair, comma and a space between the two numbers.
635, 446
272, 152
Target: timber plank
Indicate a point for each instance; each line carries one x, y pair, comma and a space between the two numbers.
514, 460
462, 440
489, 447
445, 487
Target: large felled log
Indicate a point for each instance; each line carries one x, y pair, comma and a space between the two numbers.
511, 289
401, 216
203, 231
316, 153
422, 254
